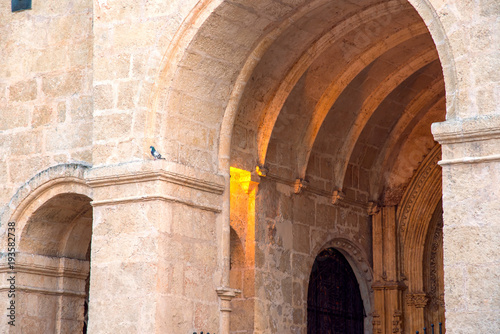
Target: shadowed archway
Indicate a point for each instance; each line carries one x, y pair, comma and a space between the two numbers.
334, 304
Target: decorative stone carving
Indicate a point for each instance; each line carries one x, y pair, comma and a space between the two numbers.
434, 295
372, 208
397, 322
262, 170
377, 323
409, 201
299, 185
337, 196
419, 300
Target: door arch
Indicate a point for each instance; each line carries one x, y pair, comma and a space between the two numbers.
334, 303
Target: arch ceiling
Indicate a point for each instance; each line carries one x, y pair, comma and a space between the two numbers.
339, 93
61, 227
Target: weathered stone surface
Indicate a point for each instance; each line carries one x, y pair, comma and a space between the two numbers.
335, 95
23, 91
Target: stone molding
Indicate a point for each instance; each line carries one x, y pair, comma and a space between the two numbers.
156, 181
306, 187
49, 266
467, 133
43, 266
155, 197
372, 208
300, 184
337, 196
67, 293
424, 176
185, 180
397, 322
467, 130
377, 323
469, 160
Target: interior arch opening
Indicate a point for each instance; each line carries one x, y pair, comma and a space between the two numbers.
53, 266
334, 303
330, 106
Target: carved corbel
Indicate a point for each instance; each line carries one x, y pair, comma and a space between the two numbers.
372, 208
299, 185
337, 195
262, 170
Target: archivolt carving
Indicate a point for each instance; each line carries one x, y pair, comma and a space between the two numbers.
414, 214
436, 299
428, 171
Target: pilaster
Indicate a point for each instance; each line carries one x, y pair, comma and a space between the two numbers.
388, 315
471, 178
156, 234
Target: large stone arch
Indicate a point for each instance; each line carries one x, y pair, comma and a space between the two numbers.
211, 64
52, 215
361, 266
186, 37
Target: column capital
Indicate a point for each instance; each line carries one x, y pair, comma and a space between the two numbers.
418, 299
226, 294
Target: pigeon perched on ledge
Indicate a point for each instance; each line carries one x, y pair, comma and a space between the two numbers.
155, 153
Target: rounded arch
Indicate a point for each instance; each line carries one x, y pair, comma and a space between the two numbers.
431, 18
54, 181
187, 36
52, 213
334, 300
358, 260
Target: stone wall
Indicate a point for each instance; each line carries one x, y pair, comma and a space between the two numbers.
99, 81
290, 231
46, 96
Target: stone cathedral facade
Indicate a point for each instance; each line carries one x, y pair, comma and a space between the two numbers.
328, 166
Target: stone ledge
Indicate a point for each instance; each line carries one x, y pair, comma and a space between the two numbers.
48, 266
467, 130
155, 197
145, 171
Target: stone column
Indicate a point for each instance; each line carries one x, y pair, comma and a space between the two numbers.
387, 288
154, 263
471, 231
416, 303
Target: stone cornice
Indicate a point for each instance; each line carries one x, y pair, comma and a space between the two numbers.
155, 197
147, 171
74, 269
42, 291
470, 160
467, 130
190, 182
